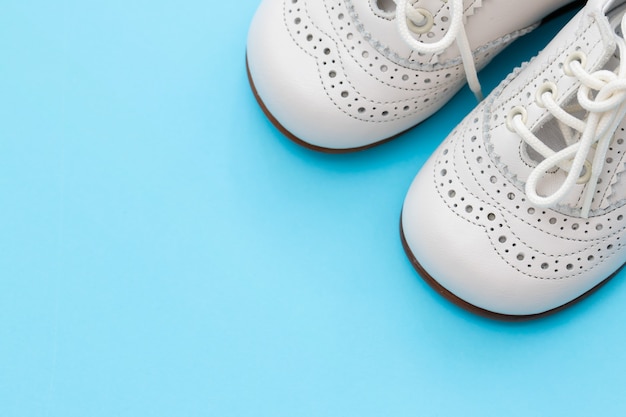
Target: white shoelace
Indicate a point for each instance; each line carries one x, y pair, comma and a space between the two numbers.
602, 94
406, 14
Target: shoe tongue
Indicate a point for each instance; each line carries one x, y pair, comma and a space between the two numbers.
551, 133
591, 34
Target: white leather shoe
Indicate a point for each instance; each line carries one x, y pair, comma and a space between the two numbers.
522, 209
341, 75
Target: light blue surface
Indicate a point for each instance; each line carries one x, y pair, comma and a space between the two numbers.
164, 251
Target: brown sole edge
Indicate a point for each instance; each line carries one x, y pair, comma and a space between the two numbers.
301, 142
481, 311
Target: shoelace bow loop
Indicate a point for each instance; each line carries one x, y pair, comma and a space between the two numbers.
602, 95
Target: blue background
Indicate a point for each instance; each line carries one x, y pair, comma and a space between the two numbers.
164, 251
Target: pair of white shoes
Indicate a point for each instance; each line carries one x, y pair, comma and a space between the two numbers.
522, 209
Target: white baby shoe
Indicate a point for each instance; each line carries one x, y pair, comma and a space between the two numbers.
522, 210
341, 75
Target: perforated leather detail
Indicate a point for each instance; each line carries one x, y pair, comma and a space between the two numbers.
475, 190
411, 87
589, 39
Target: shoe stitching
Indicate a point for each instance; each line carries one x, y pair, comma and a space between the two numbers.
410, 101
321, 77
499, 207
612, 173
523, 219
379, 79
491, 240
394, 57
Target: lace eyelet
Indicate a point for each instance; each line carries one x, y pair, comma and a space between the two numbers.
425, 25
516, 111
586, 175
547, 87
575, 56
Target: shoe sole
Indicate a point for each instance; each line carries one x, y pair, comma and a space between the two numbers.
481, 311
572, 6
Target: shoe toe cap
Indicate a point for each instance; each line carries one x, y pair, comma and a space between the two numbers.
312, 88
462, 256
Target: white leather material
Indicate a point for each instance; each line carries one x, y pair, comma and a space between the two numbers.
584, 33
466, 257
337, 74
468, 221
